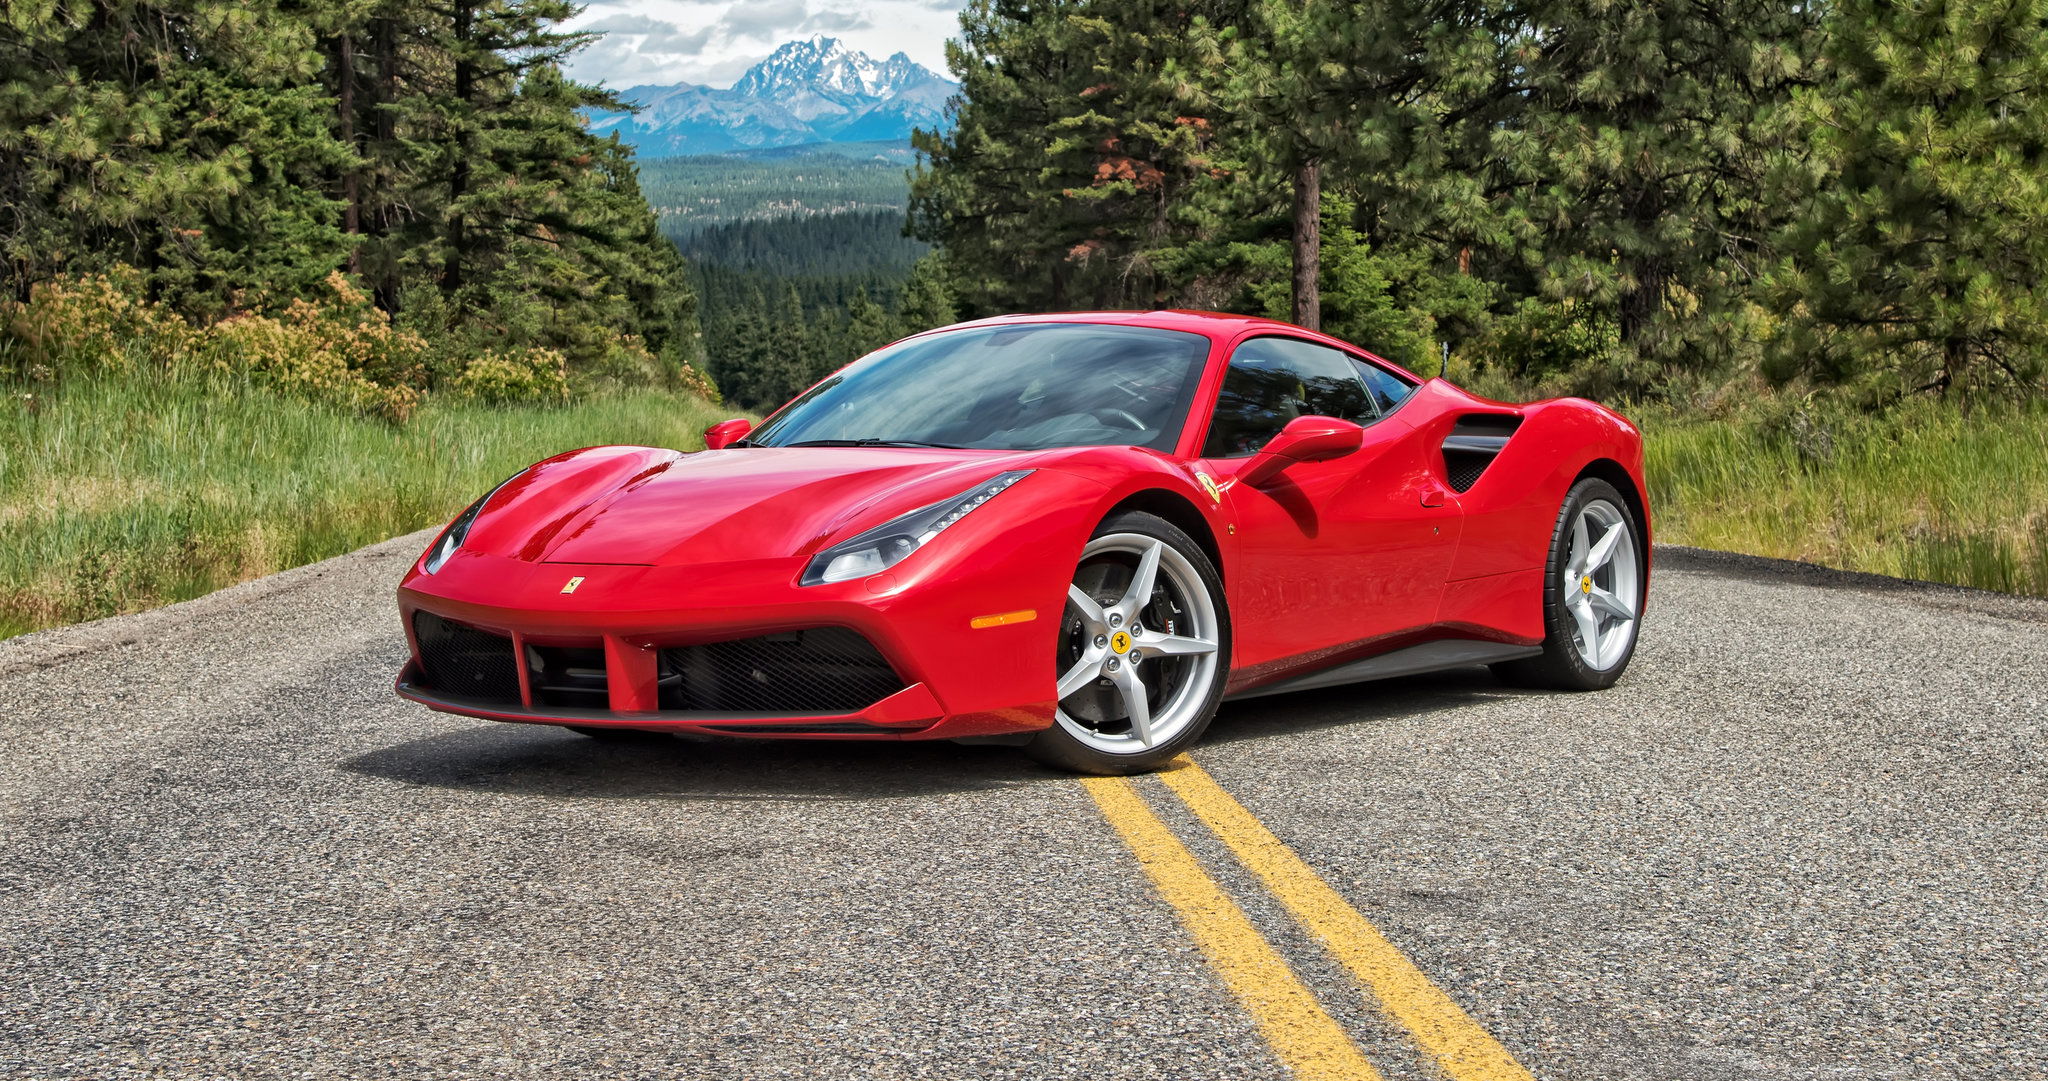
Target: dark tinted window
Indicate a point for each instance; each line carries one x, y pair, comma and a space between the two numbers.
1387, 389
1274, 380
1017, 387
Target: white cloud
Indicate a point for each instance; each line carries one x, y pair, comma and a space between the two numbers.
769, 20
714, 41
836, 23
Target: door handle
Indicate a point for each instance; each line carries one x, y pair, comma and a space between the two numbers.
1435, 497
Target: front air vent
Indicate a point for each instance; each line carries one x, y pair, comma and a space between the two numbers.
464, 663
1475, 441
564, 676
819, 670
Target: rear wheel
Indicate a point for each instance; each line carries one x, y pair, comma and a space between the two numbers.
1143, 651
1593, 586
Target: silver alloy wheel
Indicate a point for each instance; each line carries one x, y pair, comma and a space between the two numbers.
1602, 584
1146, 647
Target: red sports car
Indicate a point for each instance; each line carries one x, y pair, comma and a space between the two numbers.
1078, 533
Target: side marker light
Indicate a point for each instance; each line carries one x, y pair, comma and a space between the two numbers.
980, 623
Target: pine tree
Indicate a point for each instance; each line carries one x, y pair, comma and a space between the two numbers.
174, 136
868, 328
1918, 262
927, 299
1629, 167
1079, 140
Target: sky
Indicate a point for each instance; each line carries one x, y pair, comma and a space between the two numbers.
712, 42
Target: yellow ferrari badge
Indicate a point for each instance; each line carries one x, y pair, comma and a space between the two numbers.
572, 584
1208, 484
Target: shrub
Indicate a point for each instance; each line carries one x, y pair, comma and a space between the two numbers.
338, 349
537, 376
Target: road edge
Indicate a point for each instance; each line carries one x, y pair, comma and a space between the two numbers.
1791, 571
55, 645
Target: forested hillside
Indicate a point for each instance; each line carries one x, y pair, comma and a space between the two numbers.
1650, 200
219, 162
695, 193
788, 300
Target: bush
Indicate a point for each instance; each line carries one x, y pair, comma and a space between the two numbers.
339, 350
530, 376
1552, 347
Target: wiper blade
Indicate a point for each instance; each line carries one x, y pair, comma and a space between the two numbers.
872, 443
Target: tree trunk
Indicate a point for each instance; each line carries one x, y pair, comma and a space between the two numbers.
458, 179
351, 177
1308, 241
382, 218
1639, 309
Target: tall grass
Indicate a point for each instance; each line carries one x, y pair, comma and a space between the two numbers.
1926, 491
123, 493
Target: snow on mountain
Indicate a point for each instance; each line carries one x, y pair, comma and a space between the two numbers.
811, 91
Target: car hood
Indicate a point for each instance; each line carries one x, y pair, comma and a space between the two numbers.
643, 506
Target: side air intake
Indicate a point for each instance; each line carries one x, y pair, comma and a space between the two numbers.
1475, 441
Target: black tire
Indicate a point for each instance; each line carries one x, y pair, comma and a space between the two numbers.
617, 735
1055, 746
1560, 667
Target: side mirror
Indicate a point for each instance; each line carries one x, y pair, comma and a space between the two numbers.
727, 432
1305, 439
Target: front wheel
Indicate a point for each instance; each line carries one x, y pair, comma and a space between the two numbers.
1143, 651
1593, 590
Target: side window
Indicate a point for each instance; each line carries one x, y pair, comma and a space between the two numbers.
1274, 380
1387, 389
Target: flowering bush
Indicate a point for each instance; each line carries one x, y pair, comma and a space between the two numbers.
501, 377
339, 349
95, 323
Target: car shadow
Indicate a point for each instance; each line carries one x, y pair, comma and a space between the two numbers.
1356, 704
542, 760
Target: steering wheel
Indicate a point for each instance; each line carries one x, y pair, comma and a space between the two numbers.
1121, 418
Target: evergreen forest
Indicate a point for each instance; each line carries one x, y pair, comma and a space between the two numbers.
1644, 200
415, 177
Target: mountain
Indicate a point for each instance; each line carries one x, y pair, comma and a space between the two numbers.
806, 92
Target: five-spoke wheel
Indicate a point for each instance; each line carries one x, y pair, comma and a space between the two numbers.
1142, 652
1592, 595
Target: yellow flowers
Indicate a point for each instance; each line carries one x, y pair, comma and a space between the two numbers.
339, 350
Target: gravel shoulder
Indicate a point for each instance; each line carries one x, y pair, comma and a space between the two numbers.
1803, 839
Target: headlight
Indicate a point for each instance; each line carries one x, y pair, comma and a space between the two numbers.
887, 544
452, 537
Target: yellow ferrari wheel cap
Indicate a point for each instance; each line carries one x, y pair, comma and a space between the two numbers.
1120, 641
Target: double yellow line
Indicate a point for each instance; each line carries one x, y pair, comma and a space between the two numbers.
1311, 1042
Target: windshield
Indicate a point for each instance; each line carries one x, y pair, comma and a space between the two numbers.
1005, 388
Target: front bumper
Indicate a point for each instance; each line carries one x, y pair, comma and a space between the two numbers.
908, 714
956, 674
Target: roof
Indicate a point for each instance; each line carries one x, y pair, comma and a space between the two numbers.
1214, 325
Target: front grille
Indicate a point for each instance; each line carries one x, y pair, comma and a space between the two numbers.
821, 670
568, 676
463, 662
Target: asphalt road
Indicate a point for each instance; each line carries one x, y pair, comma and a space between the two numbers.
1802, 839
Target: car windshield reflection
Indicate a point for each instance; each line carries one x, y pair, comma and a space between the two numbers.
1012, 387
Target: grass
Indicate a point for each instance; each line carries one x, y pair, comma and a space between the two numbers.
1926, 491
120, 495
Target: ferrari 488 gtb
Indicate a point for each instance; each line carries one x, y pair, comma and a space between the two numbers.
1078, 533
